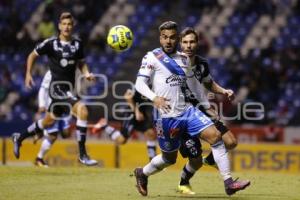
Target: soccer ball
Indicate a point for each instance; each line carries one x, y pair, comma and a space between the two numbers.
120, 38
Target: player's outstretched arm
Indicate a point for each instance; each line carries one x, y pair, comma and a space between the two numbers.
28, 77
217, 89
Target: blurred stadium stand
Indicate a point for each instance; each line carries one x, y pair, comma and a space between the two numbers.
253, 47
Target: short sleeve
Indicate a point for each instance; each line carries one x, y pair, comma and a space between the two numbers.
80, 54
147, 67
43, 48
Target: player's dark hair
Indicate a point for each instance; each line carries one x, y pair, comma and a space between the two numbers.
187, 31
168, 25
66, 15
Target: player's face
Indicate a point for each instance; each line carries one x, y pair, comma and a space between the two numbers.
66, 27
168, 40
189, 44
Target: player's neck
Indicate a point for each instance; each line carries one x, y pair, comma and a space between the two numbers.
65, 38
192, 59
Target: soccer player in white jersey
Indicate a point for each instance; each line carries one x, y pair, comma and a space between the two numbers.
199, 77
165, 69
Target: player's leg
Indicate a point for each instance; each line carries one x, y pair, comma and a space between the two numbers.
220, 154
228, 138
46, 145
199, 122
169, 146
111, 132
81, 112
35, 128
157, 164
191, 149
151, 142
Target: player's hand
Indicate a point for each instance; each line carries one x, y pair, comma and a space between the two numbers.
162, 103
128, 94
29, 81
229, 94
139, 116
90, 77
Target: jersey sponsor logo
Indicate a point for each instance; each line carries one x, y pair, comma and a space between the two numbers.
175, 80
64, 62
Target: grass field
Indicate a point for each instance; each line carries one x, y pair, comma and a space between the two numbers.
31, 183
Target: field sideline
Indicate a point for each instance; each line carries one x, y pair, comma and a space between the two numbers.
32, 183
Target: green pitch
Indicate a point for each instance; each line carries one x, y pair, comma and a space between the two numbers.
83, 183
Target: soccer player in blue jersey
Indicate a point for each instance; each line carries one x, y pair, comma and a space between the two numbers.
167, 70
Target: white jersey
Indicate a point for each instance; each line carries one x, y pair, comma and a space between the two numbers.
44, 99
165, 83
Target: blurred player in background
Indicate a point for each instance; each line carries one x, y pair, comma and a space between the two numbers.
191, 147
65, 55
140, 119
166, 70
59, 127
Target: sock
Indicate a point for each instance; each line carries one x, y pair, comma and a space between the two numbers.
112, 132
34, 128
45, 146
81, 136
221, 157
210, 159
155, 165
187, 173
151, 148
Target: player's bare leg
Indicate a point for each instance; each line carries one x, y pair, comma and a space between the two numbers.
81, 112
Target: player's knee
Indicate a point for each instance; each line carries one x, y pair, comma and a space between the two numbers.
52, 138
231, 143
170, 160
196, 163
229, 140
121, 140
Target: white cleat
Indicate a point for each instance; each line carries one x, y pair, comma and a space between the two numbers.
87, 161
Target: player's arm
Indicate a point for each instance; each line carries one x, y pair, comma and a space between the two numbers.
30, 62
84, 68
214, 87
141, 85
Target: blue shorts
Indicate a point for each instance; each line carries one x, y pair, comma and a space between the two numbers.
59, 126
170, 130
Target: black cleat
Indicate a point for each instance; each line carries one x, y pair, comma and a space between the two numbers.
40, 163
141, 181
17, 144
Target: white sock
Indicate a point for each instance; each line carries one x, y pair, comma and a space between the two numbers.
112, 132
45, 146
155, 165
221, 158
151, 148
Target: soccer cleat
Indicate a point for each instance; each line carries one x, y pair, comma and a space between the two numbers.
40, 163
185, 189
141, 181
234, 186
85, 159
206, 163
17, 144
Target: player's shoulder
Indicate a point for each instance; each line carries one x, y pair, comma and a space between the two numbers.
201, 59
75, 38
